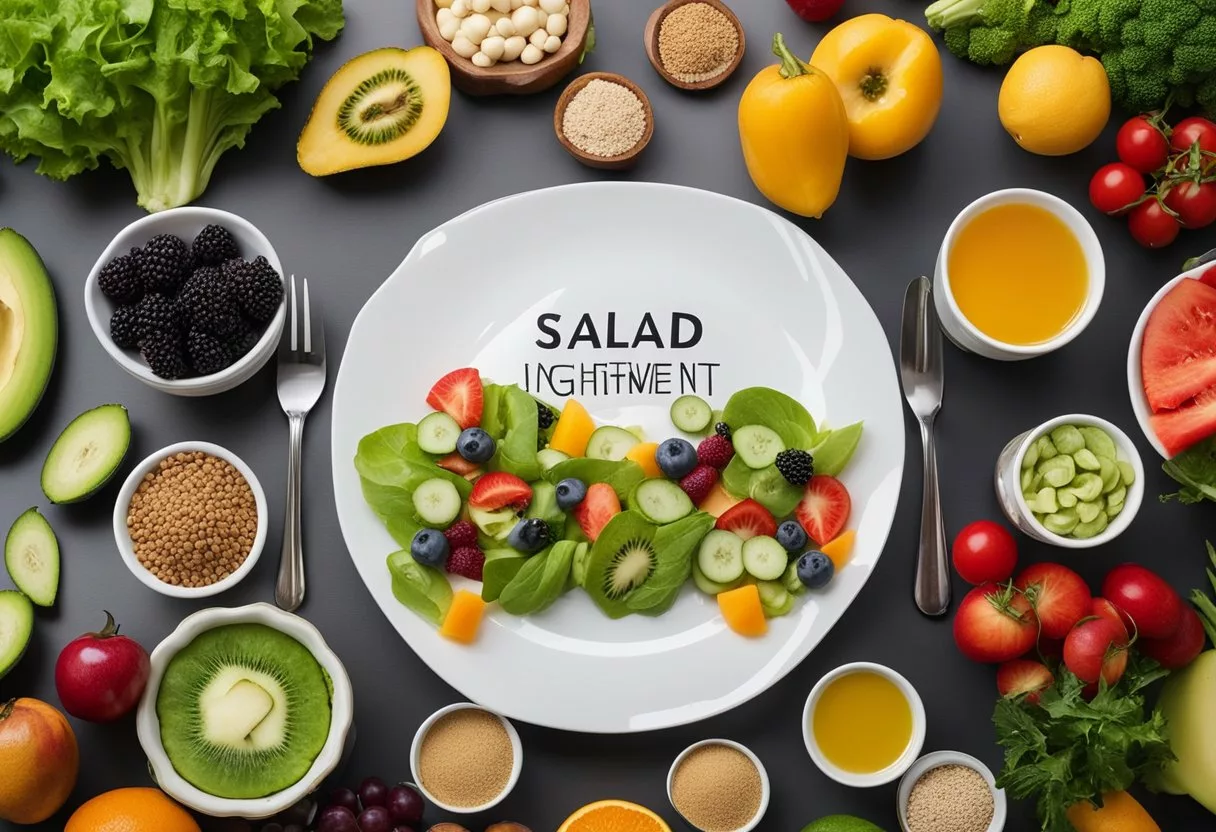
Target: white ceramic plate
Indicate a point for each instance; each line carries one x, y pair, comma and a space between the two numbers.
774, 310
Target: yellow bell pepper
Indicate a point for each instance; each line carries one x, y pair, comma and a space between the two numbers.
889, 74
794, 134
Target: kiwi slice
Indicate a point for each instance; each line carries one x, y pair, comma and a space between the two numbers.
244, 711
621, 561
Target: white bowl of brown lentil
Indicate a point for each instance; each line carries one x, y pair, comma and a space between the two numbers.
950, 785
190, 520
465, 758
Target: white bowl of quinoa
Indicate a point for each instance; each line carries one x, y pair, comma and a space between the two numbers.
190, 520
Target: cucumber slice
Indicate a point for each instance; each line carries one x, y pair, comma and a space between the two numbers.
1047, 449
691, 414
86, 454
548, 457
1067, 439
1062, 522
660, 501
437, 433
773, 491
1098, 442
1086, 460
1126, 473
790, 580
578, 564
1066, 498
497, 524
720, 557
1093, 528
1109, 472
610, 442
1115, 499
16, 624
774, 598
1087, 487
1058, 471
1031, 456
709, 587
437, 502
1088, 512
757, 445
764, 558
31, 555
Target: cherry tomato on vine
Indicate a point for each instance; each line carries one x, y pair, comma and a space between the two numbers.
1151, 226
1191, 130
1142, 145
1195, 204
1115, 187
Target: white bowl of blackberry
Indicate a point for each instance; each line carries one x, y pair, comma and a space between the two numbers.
190, 301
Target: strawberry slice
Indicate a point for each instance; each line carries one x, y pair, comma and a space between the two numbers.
824, 509
498, 489
747, 519
459, 394
1018, 676
457, 464
597, 508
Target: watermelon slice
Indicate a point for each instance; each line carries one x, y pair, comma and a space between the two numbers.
1194, 421
1178, 355
1208, 277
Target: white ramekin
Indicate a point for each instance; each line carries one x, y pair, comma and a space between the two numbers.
147, 723
123, 538
895, 769
962, 332
517, 751
1009, 486
185, 223
764, 783
936, 759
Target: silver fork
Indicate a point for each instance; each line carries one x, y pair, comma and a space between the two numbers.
301, 380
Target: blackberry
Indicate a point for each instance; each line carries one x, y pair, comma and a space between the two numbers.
213, 245
796, 466
159, 315
206, 300
723, 430
544, 416
207, 353
243, 340
166, 262
258, 288
120, 280
163, 353
126, 328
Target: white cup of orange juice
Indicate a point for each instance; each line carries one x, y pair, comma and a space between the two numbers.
1020, 273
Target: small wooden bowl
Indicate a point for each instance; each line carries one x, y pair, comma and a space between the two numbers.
651, 39
621, 161
513, 77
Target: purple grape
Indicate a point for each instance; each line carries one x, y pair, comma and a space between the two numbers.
403, 829
337, 819
375, 819
373, 792
301, 813
345, 797
405, 804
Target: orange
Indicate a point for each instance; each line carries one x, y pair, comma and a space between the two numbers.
742, 610
1120, 812
1054, 100
39, 760
131, 810
611, 816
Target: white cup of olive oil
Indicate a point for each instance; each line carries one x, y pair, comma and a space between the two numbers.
1020, 273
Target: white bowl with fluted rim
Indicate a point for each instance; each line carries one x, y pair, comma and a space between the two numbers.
185, 223
147, 724
765, 789
122, 537
1009, 486
517, 758
875, 778
964, 333
937, 759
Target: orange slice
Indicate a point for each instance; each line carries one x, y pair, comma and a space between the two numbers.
643, 454
841, 548
573, 430
614, 816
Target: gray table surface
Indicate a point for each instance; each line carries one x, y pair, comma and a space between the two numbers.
347, 233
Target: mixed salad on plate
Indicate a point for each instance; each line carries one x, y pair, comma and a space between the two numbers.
498, 487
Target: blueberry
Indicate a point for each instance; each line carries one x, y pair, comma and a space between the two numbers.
815, 570
430, 548
792, 536
529, 536
570, 492
677, 458
475, 445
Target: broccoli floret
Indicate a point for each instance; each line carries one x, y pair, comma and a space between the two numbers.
1112, 14
958, 41
1205, 94
996, 29
1165, 21
1077, 24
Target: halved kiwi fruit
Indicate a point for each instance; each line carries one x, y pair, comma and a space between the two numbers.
621, 561
244, 711
381, 107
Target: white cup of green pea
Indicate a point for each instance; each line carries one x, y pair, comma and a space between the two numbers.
1075, 481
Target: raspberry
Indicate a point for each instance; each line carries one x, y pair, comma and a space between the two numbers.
796, 466
715, 451
460, 534
699, 483
467, 561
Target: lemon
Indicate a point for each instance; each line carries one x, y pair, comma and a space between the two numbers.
1054, 100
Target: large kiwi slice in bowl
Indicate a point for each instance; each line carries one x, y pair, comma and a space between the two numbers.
244, 710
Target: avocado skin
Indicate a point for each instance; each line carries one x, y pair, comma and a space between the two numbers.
36, 353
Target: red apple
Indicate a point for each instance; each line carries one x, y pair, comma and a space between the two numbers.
100, 676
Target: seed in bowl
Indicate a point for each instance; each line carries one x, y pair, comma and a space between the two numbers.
717, 788
193, 520
604, 119
950, 798
466, 758
1074, 482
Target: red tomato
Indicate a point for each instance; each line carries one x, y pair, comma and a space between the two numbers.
1060, 597
1152, 604
1151, 226
1023, 676
984, 551
815, 11
994, 624
1191, 130
1115, 187
1182, 647
1195, 204
1105, 609
100, 676
1096, 647
1142, 145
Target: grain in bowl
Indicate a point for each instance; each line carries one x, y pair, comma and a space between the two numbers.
466, 759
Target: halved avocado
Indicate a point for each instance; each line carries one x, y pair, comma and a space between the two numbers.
29, 330
381, 107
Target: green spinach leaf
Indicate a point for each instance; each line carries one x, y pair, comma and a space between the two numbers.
776, 411
422, 589
833, 450
502, 565
674, 545
540, 581
736, 476
622, 475
1195, 470
511, 415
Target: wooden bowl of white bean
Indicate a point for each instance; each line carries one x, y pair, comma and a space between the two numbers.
506, 47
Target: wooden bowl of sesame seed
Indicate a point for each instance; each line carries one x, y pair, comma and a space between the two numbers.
190, 520
694, 44
604, 120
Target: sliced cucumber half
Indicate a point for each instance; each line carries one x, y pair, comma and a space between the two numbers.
548, 457
437, 502
757, 445
720, 557
31, 555
437, 433
711, 587
660, 501
86, 454
16, 624
764, 558
610, 442
691, 414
